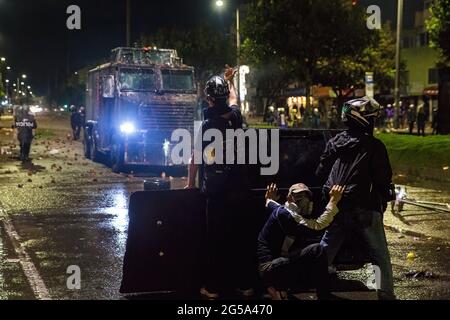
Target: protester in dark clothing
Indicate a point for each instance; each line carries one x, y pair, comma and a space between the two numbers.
421, 121
286, 256
411, 118
359, 161
226, 190
302, 111
315, 118
435, 121
25, 124
333, 118
381, 121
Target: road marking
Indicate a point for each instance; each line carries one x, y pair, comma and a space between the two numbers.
37, 284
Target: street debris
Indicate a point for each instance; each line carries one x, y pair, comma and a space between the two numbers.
411, 256
5, 151
423, 274
54, 152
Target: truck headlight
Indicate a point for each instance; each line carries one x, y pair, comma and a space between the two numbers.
128, 128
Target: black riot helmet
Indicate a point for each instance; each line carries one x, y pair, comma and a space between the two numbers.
217, 88
361, 112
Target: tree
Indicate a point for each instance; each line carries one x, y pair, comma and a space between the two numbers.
346, 74
438, 27
202, 47
75, 88
269, 76
298, 34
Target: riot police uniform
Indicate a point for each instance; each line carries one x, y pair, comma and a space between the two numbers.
75, 122
229, 253
24, 123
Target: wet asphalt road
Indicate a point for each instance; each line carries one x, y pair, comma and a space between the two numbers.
65, 210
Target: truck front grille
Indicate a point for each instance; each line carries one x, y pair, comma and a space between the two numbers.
167, 117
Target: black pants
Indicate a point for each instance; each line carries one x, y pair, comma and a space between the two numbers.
310, 264
421, 128
411, 127
231, 258
76, 129
25, 150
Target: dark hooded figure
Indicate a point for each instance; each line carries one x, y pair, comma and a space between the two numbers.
356, 159
25, 124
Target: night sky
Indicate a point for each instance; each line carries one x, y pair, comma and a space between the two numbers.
35, 40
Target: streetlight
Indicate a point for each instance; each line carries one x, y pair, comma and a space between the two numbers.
221, 4
128, 24
397, 54
24, 76
3, 59
8, 68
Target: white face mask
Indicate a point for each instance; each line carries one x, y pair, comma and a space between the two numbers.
303, 206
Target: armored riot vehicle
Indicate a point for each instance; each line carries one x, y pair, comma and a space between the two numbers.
134, 103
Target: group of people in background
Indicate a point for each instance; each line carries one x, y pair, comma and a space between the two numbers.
302, 117
412, 116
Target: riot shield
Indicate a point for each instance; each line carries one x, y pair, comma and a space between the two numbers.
165, 242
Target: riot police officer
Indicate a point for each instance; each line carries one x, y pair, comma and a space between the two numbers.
75, 122
230, 254
25, 124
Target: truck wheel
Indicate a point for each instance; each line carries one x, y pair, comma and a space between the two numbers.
117, 158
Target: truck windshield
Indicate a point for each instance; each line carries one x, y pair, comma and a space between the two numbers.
137, 79
177, 80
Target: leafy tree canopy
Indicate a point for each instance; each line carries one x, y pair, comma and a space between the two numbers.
202, 47
438, 27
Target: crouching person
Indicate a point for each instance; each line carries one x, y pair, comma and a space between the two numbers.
281, 263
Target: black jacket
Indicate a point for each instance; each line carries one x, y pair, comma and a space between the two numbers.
218, 178
278, 227
25, 123
359, 161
